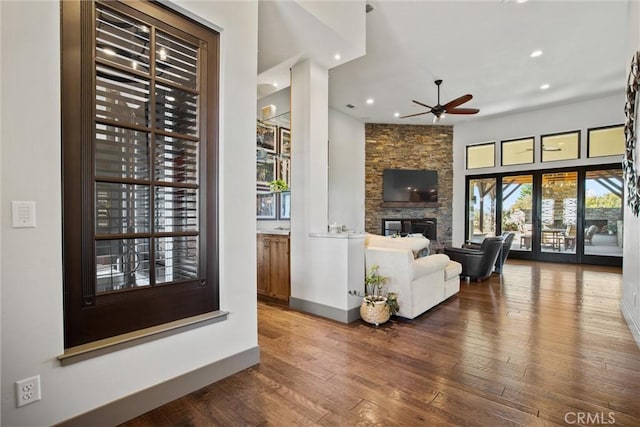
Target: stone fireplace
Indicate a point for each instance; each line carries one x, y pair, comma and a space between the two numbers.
390, 146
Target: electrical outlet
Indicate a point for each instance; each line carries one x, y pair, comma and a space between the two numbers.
28, 391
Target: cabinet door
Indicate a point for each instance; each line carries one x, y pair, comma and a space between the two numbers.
263, 264
279, 267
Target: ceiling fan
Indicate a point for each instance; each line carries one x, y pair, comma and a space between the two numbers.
448, 108
544, 148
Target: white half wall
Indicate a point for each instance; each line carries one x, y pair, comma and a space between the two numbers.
31, 259
346, 171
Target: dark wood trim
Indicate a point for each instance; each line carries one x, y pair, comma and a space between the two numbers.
135, 181
132, 126
90, 317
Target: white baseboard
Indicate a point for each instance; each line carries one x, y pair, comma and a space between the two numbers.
633, 326
339, 315
136, 404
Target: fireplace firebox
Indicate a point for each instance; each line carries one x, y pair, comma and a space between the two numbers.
403, 226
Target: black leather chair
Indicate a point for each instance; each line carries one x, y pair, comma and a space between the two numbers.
507, 239
477, 264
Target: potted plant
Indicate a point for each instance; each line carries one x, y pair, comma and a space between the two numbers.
376, 308
278, 186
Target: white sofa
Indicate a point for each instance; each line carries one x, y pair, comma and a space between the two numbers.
421, 283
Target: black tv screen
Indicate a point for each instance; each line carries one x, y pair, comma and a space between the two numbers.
409, 185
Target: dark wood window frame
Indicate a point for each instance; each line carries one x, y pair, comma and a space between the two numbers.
90, 315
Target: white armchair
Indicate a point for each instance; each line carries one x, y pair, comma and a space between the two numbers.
420, 283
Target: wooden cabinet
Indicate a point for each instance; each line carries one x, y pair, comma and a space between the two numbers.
273, 266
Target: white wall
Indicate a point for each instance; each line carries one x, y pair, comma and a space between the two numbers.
31, 259
631, 267
346, 170
309, 160
577, 116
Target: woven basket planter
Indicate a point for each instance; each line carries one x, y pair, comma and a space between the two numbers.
376, 312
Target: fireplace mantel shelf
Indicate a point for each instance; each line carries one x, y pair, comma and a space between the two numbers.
409, 205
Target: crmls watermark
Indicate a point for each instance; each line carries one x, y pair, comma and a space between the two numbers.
585, 418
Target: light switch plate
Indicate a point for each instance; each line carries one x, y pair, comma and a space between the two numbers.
23, 214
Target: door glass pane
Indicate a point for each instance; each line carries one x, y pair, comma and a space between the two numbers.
482, 209
121, 264
176, 258
121, 208
122, 40
603, 213
121, 152
559, 212
517, 205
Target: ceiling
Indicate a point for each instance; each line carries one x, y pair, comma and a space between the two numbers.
482, 48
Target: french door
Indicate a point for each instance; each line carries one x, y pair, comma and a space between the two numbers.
562, 215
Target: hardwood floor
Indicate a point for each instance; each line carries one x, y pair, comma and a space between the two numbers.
545, 344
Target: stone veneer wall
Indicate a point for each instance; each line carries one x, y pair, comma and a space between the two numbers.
390, 146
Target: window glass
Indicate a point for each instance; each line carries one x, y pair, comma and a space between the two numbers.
517, 152
482, 209
607, 141
562, 146
481, 156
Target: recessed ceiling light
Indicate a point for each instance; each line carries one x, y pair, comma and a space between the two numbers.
274, 84
396, 114
370, 101
521, 1
536, 53
337, 56
545, 86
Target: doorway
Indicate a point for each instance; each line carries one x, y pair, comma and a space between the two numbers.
572, 215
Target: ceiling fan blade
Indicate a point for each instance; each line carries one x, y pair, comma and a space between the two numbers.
413, 115
463, 111
424, 105
551, 148
458, 101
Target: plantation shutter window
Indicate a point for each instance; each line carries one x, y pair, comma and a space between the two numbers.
140, 156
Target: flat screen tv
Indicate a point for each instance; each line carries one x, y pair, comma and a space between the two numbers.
410, 185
